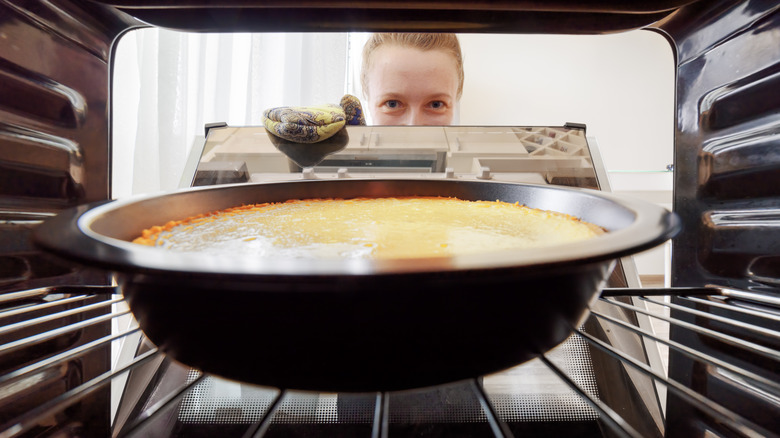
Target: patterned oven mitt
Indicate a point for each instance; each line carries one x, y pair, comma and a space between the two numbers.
312, 124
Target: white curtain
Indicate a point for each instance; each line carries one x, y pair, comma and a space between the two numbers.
167, 85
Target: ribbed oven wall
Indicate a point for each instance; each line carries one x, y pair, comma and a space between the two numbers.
54, 126
54, 131
727, 192
727, 145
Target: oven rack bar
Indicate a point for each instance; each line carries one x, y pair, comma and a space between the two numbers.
259, 428
498, 427
56, 291
723, 337
50, 304
692, 353
615, 421
158, 408
34, 302
54, 316
114, 305
61, 358
381, 423
742, 325
48, 335
736, 421
715, 301
69, 398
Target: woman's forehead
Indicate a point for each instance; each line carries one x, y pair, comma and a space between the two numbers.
395, 69
392, 53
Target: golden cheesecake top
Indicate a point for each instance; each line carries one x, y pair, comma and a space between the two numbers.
378, 228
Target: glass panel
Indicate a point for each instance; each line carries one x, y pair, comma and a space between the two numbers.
541, 155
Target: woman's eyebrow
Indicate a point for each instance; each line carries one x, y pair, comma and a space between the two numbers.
401, 96
390, 95
441, 96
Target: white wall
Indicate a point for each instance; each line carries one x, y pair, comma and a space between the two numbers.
621, 86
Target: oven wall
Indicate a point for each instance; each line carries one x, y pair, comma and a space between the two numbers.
54, 154
727, 192
54, 63
54, 130
727, 145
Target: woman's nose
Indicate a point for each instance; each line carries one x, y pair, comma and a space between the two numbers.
417, 117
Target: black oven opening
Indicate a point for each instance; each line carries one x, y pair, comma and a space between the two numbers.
103, 100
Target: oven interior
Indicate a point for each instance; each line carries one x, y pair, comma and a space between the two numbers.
699, 358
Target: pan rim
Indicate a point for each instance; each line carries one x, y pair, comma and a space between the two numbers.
651, 226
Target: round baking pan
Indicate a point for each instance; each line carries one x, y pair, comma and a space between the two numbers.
357, 324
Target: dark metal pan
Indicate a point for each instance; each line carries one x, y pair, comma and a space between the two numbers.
356, 325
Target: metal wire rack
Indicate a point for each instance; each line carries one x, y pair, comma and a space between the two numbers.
46, 334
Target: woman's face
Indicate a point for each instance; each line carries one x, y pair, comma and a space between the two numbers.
407, 86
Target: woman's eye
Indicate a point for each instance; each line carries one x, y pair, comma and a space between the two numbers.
392, 104
437, 104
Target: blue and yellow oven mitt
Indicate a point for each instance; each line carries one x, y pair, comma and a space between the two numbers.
312, 124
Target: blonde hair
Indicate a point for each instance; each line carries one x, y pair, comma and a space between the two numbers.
447, 42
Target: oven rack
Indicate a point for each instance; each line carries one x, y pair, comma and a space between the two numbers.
32, 321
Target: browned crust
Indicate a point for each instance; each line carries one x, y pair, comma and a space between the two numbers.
150, 235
